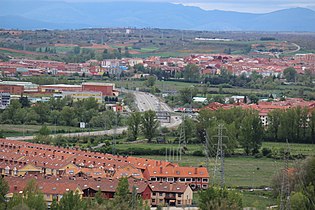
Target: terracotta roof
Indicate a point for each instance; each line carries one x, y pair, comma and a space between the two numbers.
168, 187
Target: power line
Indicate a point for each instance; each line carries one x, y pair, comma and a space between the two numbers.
182, 143
219, 156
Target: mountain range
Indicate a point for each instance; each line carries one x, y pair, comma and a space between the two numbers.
16, 14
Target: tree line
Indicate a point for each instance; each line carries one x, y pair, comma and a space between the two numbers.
65, 112
244, 128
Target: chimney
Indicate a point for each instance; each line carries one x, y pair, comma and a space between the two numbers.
35, 153
26, 152
62, 157
161, 170
196, 170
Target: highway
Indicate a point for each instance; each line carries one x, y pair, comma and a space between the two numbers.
144, 101
147, 101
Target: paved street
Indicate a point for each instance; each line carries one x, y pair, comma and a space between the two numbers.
147, 101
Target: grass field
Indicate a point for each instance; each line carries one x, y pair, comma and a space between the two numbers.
305, 149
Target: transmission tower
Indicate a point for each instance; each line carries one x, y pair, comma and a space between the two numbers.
219, 156
182, 140
285, 185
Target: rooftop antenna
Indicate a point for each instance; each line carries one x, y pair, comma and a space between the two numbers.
219, 156
285, 185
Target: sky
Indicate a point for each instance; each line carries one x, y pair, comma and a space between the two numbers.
252, 6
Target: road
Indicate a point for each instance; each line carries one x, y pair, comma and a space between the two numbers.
92, 133
144, 101
147, 101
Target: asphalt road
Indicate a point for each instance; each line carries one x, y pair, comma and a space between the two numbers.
92, 133
147, 101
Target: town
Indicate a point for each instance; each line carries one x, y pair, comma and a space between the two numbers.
119, 130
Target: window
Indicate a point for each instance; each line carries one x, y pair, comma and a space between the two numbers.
161, 194
204, 186
153, 200
161, 200
204, 180
188, 179
154, 194
170, 179
179, 195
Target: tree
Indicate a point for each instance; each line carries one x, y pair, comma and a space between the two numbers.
10, 112
72, 201
299, 201
4, 189
290, 74
33, 197
139, 67
122, 198
134, 122
188, 127
251, 133
187, 94
215, 198
149, 124
98, 197
274, 118
43, 111
191, 72
24, 101
150, 81
44, 130
253, 99
68, 116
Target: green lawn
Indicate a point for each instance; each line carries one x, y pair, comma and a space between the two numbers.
258, 199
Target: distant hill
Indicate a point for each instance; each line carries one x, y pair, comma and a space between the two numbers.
66, 15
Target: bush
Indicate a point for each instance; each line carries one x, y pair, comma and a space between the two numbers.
198, 153
266, 151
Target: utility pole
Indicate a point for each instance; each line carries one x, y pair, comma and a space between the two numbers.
285, 185
219, 156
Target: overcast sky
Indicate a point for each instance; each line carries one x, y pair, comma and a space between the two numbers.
253, 6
